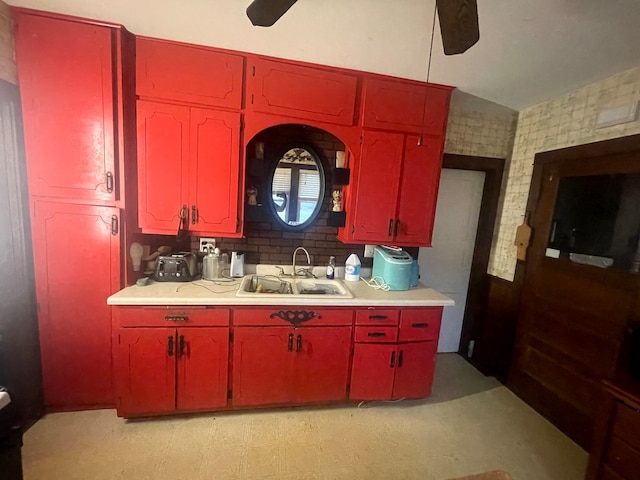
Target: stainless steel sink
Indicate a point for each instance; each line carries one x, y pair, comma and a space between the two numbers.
271, 285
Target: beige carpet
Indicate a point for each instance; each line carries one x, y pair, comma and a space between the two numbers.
470, 425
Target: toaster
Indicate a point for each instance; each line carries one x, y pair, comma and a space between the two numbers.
179, 267
393, 266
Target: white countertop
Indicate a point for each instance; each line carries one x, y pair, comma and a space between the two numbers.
202, 292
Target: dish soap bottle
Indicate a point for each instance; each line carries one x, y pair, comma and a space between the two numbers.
331, 268
352, 268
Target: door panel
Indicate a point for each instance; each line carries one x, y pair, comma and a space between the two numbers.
372, 371
321, 364
414, 370
145, 365
65, 73
393, 105
436, 112
77, 266
163, 152
203, 356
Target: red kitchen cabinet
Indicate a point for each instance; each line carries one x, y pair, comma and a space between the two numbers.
414, 371
66, 72
188, 73
394, 197
304, 92
274, 365
161, 370
76, 251
188, 169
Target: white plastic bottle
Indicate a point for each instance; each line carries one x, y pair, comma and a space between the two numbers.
352, 268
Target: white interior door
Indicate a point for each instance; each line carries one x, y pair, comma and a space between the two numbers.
447, 264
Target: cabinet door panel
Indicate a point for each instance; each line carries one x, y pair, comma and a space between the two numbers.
214, 167
393, 105
145, 362
299, 91
419, 190
420, 324
321, 364
203, 357
414, 370
262, 365
436, 111
77, 266
377, 186
65, 72
188, 73
372, 371
163, 150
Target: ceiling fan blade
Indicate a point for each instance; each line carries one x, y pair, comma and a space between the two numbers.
264, 13
458, 25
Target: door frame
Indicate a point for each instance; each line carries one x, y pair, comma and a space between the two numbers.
477, 295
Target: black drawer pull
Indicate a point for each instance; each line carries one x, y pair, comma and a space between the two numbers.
181, 346
290, 343
176, 318
393, 360
420, 325
400, 359
299, 344
377, 317
170, 346
376, 334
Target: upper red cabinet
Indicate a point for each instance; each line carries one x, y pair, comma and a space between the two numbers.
188, 73
66, 72
405, 106
303, 92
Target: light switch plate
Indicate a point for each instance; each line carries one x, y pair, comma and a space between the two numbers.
368, 251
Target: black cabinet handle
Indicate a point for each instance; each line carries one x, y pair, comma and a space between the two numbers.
299, 344
376, 334
176, 318
393, 360
170, 346
400, 359
420, 325
391, 227
194, 214
181, 346
290, 343
377, 317
397, 229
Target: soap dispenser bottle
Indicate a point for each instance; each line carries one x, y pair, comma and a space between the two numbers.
331, 268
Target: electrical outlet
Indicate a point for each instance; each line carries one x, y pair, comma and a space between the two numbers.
205, 242
368, 251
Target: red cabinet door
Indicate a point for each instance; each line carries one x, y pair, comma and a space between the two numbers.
203, 357
414, 371
321, 364
376, 194
299, 91
65, 74
436, 110
145, 360
188, 73
163, 152
262, 365
77, 266
372, 371
214, 171
418, 191
393, 105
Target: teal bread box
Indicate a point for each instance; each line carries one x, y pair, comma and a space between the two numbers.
393, 267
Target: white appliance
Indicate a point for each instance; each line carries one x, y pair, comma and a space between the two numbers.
237, 264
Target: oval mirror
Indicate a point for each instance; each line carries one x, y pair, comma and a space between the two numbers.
296, 187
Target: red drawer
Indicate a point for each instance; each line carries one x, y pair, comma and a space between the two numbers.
291, 315
422, 324
171, 316
377, 316
371, 334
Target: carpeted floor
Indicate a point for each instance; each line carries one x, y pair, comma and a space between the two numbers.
470, 425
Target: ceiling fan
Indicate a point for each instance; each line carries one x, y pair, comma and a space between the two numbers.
458, 20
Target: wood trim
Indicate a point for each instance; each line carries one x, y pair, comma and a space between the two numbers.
8, 69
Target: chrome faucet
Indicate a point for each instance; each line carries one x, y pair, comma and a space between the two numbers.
293, 263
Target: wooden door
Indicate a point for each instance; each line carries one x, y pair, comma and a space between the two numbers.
376, 194
416, 212
65, 73
77, 266
414, 370
321, 364
145, 360
372, 371
262, 368
203, 357
188, 73
214, 171
163, 152
393, 105
282, 88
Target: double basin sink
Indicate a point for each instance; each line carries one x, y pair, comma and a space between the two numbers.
271, 285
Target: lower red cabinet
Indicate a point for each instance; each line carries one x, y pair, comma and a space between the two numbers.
390, 371
274, 365
160, 370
